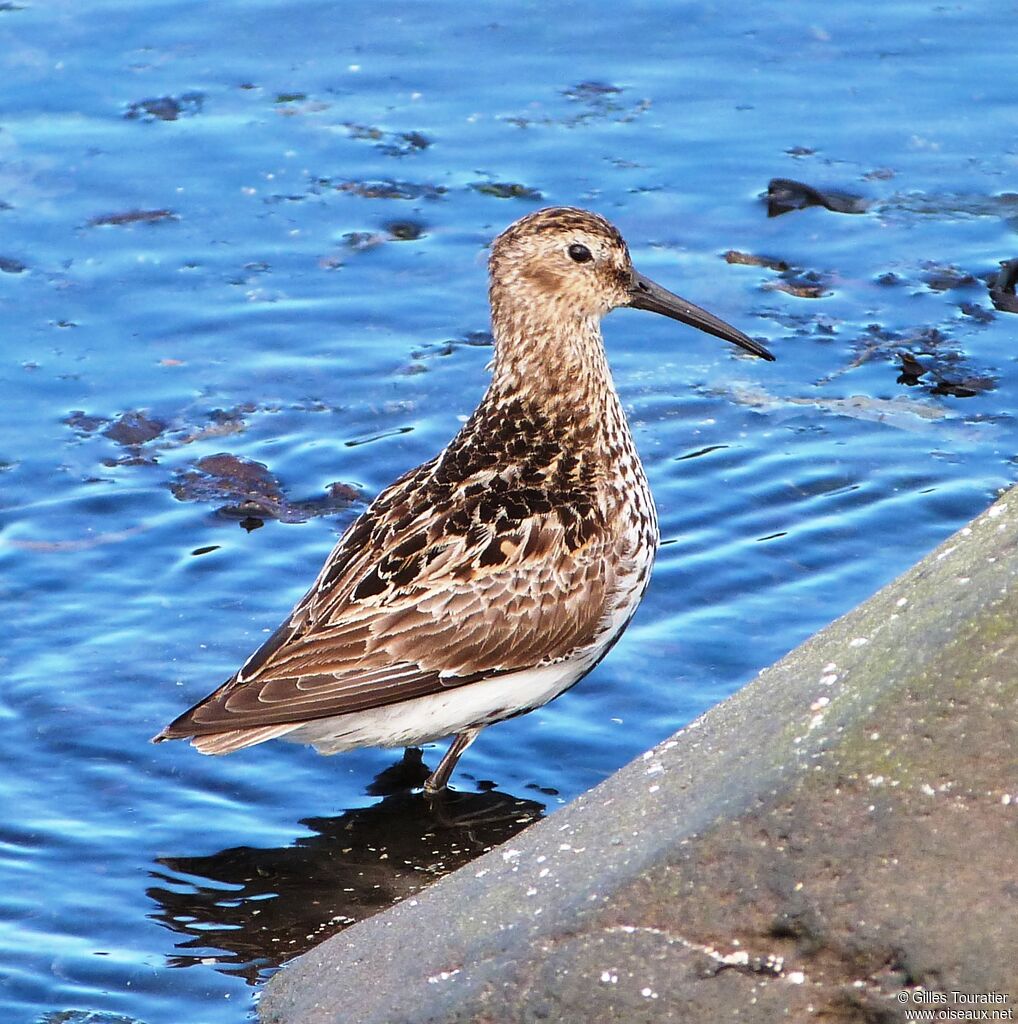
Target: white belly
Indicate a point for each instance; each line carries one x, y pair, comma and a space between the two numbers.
425, 719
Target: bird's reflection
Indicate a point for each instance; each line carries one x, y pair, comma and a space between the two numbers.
246, 910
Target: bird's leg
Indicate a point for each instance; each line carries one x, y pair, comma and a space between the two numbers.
439, 778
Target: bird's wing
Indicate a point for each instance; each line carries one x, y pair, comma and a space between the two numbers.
443, 580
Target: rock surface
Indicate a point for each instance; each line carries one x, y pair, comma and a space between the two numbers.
835, 842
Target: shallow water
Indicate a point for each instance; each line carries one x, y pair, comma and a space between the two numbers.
259, 229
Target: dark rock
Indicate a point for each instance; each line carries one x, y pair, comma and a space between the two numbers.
835, 842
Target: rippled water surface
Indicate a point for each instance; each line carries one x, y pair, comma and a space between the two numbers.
258, 229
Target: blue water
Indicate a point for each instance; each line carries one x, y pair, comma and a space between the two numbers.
306, 289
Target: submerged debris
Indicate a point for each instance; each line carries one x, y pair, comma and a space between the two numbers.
1002, 288
978, 313
133, 428
901, 413
750, 260
388, 189
404, 144
132, 217
245, 486
965, 387
804, 284
83, 1016
911, 370
591, 91
602, 101
506, 190
946, 370
597, 101
405, 230
391, 143
473, 339
224, 478
248, 491
78, 420
923, 356
889, 279
947, 278
362, 241
166, 108
784, 195
931, 360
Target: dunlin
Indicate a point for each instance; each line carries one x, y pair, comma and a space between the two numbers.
489, 580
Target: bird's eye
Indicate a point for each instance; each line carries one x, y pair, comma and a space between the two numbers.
579, 253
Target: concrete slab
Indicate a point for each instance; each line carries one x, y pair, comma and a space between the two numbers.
839, 840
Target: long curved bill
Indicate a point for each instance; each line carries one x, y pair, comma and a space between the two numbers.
645, 294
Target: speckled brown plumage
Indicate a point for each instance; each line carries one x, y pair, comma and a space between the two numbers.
518, 553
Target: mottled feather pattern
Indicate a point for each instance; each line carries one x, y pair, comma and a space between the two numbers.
496, 556
518, 554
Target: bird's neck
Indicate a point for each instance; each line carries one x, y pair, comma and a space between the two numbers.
557, 365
